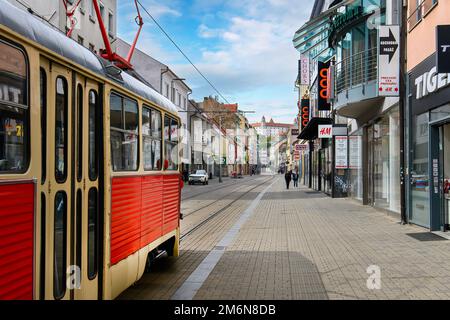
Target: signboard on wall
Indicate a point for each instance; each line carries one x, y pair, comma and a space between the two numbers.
323, 82
389, 61
355, 143
304, 70
443, 49
325, 131
341, 152
304, 112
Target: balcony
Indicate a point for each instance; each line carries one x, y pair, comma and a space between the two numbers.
356, 86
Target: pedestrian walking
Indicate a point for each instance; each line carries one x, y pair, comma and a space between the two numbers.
295, 178
288, 177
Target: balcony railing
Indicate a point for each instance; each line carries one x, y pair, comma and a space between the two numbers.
355, 70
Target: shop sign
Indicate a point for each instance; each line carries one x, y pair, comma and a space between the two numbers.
325, 131
304, 70
389, 61
341, 152
323, 82
355, 152
9, 93
342, 20
443, 49
428, 89
304, 105
430, 82
301, 147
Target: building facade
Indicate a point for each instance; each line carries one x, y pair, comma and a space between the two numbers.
428, 118
86, 30
341, 44
165, 81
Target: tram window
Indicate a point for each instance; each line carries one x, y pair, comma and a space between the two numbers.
14, 113
60, 228
79, 161
171, 142
61, 130
124, 133
151, 136
43, 85
93, 135
92, 233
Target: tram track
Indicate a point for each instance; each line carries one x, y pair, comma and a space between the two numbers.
209, 190
215, 214
212, 202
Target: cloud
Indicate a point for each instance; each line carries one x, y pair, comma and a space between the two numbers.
254, 54
205, 32
244, 47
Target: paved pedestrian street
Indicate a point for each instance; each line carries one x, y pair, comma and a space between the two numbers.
267, 242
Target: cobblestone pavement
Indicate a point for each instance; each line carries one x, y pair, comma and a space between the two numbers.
300, 244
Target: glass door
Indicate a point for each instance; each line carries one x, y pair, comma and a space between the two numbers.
445, 158
419, 172
370, 166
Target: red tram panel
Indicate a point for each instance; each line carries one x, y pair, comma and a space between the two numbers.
16, 241
142, 210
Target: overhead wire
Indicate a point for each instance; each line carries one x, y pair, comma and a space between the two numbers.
182, 52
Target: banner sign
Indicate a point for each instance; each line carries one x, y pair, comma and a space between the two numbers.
304, 113
325, 131
443, 49
355, 143
341, 152
323, 82
301, 147
389, 61
304, 70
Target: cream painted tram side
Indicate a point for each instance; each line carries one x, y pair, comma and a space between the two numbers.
89, 176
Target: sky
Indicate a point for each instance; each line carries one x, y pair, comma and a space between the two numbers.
244, 47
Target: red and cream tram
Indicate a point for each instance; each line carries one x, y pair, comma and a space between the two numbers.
89, 177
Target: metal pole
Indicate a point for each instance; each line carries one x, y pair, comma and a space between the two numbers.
220, 147
402, 103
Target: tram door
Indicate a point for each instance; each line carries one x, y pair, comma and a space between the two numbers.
70, 189
86, 138
56, 184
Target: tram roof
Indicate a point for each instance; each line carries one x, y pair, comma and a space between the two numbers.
33, 28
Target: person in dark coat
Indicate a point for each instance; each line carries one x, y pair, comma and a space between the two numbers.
295, 178
288, 177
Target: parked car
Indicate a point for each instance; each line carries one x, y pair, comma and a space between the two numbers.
199, 176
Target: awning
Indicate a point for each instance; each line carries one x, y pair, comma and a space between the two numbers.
310, 132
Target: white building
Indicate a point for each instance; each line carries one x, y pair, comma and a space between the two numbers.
165, 81
86, 29
271, 128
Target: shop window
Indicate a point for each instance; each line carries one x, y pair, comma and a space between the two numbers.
14, 112
124, 133
419, 175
